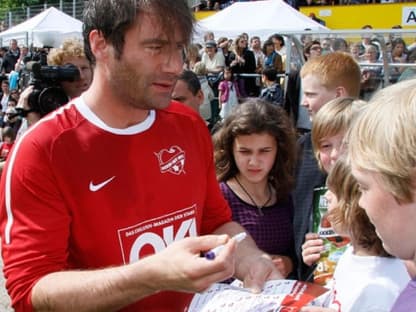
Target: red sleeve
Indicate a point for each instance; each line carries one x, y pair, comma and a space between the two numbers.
30, 204
216, 211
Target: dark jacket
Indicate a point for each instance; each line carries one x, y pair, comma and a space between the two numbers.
308, 177
9, 60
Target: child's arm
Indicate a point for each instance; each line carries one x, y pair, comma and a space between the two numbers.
221, 88
219, 99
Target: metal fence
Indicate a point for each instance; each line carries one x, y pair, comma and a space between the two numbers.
193, 3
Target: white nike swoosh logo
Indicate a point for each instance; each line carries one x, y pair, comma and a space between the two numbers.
96, 187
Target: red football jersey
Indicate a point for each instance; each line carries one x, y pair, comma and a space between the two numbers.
77, 194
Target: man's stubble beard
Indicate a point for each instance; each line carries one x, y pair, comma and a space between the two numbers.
134, 89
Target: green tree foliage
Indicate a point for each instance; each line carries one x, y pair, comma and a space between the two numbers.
11, 4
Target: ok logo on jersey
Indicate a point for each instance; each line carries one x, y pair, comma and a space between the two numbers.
153, 236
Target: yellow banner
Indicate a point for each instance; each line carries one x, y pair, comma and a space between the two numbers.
354, 16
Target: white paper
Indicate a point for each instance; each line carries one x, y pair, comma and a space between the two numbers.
275, 295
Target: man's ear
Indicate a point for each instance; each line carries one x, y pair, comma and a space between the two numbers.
99, 46
341, 92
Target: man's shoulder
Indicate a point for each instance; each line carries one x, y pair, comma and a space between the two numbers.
182, 111
53, 124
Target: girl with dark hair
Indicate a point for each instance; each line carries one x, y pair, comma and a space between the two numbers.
255, 155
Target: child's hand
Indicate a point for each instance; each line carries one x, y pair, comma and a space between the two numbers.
312, 248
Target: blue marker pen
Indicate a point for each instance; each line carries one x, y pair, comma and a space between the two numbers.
210, 255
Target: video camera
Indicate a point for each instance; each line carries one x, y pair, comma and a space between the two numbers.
47, 93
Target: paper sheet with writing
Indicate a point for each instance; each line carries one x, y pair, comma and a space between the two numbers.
277, 295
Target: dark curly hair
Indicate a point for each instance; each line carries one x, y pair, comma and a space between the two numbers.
256, 116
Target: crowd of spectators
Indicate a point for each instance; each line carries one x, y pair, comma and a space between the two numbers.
230, 72
249, 60
221, 4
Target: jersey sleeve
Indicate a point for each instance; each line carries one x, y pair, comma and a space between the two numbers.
216, 210
34, 221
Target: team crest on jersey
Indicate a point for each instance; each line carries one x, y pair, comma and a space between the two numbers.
171, 160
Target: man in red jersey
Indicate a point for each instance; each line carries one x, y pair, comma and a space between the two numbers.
103, 201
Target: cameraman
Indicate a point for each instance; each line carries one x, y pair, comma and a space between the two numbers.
72, 52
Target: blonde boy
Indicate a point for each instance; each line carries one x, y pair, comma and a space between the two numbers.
382, 151
328, 131
323, 79
329, 128
327, 77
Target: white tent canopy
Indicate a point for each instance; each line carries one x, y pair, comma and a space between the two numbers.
257, 18
48, 28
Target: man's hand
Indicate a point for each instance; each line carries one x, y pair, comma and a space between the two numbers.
260, 269
185, 270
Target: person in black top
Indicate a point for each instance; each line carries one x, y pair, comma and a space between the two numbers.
10, 58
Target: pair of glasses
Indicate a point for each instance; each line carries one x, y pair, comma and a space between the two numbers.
316, 48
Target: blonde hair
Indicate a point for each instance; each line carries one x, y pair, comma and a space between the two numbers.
332, 119
348, 213
70, 48
337, 69
200, 69
383, 139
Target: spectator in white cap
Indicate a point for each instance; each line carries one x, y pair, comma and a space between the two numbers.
213, 60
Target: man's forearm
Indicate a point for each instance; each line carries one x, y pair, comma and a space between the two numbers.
99, 290
178, 267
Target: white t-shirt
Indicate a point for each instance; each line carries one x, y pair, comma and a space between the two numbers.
216, 61
367, 283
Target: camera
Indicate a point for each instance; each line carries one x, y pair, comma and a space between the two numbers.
47, 93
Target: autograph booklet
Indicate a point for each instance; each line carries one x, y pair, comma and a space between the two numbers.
277, 295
